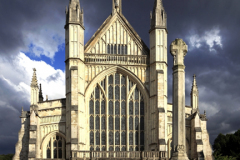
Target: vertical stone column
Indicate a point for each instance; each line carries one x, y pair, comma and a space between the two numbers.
178, 51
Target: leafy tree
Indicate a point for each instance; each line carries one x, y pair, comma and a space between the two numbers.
227, 146
6, 157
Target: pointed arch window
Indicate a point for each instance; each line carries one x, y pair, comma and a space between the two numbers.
55, 147
113, 118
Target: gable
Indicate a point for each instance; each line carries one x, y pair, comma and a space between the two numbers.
116, 36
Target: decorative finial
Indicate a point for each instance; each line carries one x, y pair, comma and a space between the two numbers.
40, 94
34, 82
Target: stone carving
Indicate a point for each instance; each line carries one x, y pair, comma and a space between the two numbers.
180, 148
178, 50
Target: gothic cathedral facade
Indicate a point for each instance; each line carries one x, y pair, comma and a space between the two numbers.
116, 103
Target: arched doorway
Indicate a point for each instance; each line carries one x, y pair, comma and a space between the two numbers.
116, 115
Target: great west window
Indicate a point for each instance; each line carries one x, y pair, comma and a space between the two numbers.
116, 115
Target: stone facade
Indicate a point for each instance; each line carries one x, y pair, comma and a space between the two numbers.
116, 98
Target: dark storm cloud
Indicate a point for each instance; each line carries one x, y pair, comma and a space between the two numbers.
217, 72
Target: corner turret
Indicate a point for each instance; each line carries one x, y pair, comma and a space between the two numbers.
194, 95
158, 16
34, 89
74, 14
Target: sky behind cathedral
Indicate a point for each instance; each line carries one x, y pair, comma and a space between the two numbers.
32, 36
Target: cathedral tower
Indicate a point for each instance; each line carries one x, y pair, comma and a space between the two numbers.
158, 77
75, 110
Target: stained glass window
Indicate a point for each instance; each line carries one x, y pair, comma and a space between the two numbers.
117, 108
103, 138
91, 122
97, 111
97, 138
119, 49
123, 123
91, 149
111, 49
123, 108
131, 123
103, 107
108, 48
136, 108
117, 92
136, 149
110, 138
142, 108
117, 138
131, 108
60, 153
136, 138
142, 138
123, 92
123, 138
48, 153
136, 123
110, 110
91, 138
103, 148
136, 94
55, 153
97, 93
116, 114
110, 123
115, 49
103, 123
110, 92
130, 138
91, 105
123, 80
142, 123
97, 122
117, 123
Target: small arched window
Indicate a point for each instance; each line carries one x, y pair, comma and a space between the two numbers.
56, 147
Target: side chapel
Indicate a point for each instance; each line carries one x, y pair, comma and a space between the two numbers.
116, 103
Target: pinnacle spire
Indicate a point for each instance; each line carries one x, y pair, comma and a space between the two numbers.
116, 6
158, 16
34, 82
40, 94
74, 13
194, 85
194, 95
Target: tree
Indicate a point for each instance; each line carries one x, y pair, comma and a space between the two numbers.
227, 146
6, 157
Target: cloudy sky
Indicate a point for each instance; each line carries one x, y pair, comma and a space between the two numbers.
32, 36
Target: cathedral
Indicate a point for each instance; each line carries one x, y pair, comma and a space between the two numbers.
116, 104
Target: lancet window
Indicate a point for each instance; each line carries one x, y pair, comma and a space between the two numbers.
116, 121
116, 49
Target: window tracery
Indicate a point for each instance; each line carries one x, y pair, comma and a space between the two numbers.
124, 117
56, 147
